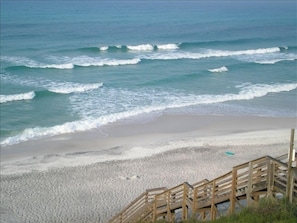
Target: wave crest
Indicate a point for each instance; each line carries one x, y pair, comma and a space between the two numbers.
69, 63
209, 53
86, 61
52, 86
17, 97
218, 70
169, 46
142, 47
74, 88
259, 90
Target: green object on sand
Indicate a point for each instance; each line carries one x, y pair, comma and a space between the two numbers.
229, 153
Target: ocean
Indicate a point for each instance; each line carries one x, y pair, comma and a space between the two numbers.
71, 66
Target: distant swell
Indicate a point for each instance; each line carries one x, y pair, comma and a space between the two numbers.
17, 97
185, 45
246, 92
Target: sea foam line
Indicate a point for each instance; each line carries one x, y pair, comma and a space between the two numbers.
52, 86
86, 61
17, 97
273, 61
209, 53
73, 88
247, 92
70, 63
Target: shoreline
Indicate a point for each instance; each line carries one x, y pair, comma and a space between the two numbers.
82, 184
163, 133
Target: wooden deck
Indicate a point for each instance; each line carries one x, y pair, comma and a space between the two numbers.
249, 181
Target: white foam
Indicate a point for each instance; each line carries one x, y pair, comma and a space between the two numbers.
19, 61
247, 92
218, 70
271, 58
69, 63
55, 66
15, 79
209, 53
17, 97
143, 47
86, 61
104, 48
171, 46
274, 61
57, 87
23, 61
259, 90
67, 88
39, 132
257, 51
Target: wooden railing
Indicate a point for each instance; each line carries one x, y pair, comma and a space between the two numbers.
265, 176
139, 209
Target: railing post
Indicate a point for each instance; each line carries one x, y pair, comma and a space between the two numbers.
184, 203
233, 191
250, 184
155, 209
195, 194
146, 197
212, 207
168, 202
270, 177
289, 191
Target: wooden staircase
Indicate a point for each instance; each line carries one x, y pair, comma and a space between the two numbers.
249, 181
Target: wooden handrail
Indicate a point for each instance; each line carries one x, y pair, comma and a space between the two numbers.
136, 204
265, 174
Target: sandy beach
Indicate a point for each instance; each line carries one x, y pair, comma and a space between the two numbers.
91, 176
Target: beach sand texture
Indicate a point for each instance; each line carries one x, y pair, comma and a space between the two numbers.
83, 184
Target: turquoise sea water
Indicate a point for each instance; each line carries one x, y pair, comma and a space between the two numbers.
69, 66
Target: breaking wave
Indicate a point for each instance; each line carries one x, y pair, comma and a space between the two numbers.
17, 97
69, 63
209, 53
218, 70
154, 52
85, 61
52, 86
67, 88
140, 47
246, 92
144, 47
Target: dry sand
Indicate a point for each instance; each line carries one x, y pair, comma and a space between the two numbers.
89, 177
